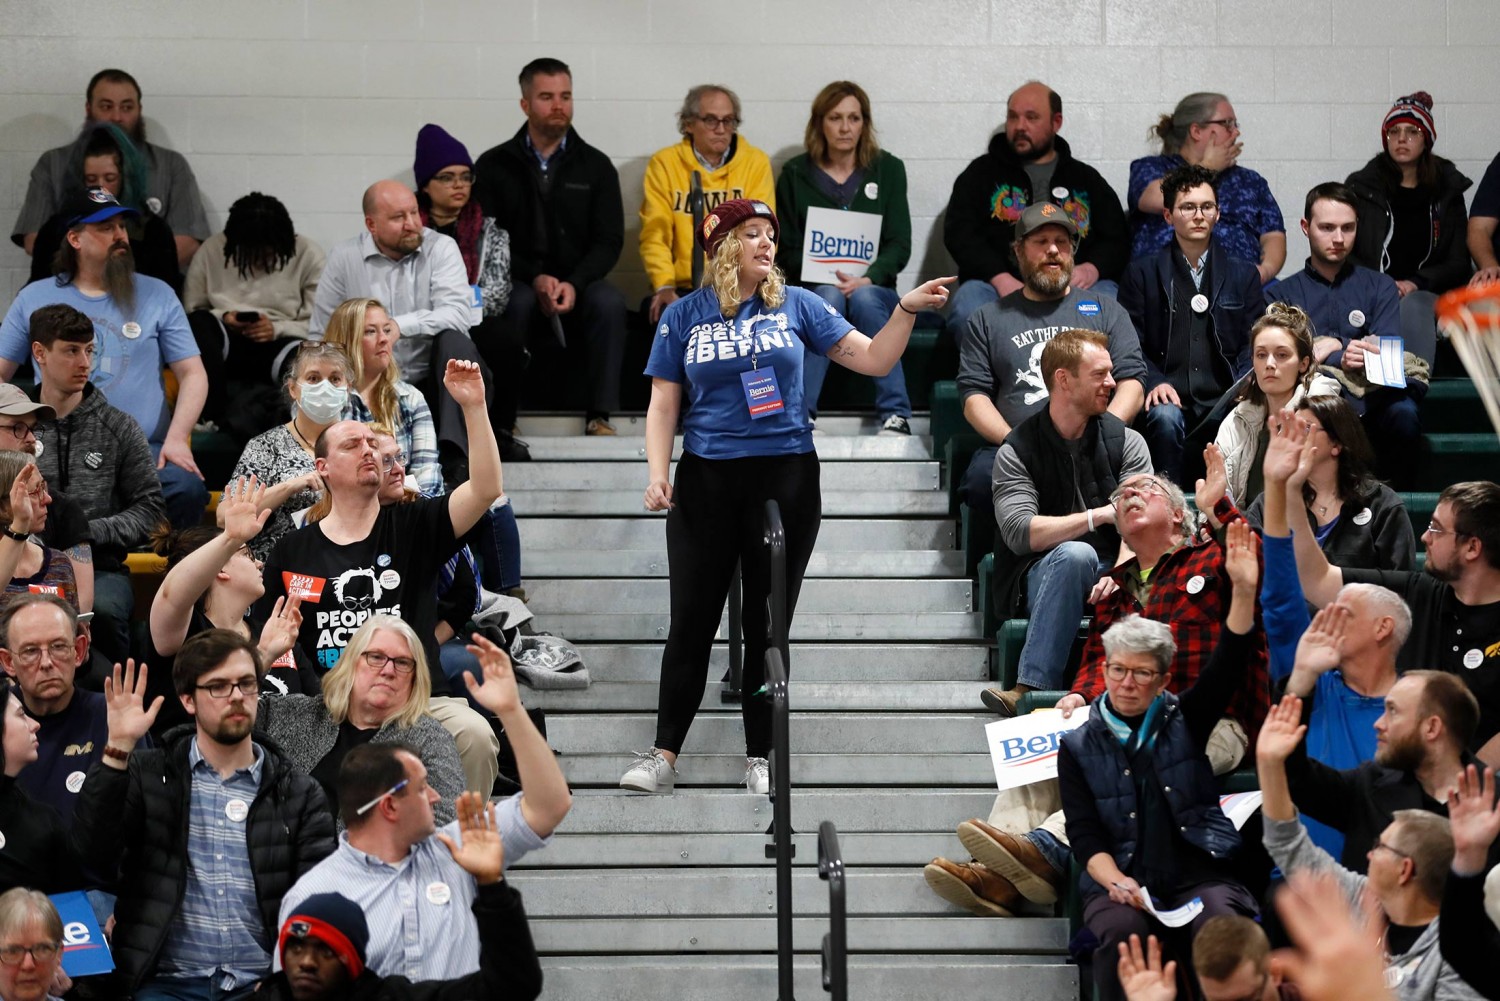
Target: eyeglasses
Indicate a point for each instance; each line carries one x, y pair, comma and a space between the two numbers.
387, 461
371, 804
1403, 132
714, 124
1394, 851
42, 952
222, 688
1229, 123
19, 430
1206, 209
378, 660
1117, 672
448, 180
60, 652
1434, 529
1145, 487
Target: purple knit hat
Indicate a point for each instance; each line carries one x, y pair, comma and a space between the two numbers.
436, 149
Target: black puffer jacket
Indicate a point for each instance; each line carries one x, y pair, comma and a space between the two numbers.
1445, 261
132, 826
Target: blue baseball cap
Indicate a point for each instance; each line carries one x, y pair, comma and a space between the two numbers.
94, 205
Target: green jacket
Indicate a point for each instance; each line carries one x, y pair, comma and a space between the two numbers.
796, 192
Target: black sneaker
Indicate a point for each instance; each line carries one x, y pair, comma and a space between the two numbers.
512, 449
894, 425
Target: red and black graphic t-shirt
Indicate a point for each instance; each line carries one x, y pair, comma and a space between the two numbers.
394, 571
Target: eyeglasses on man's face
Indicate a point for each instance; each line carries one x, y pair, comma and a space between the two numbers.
222, 688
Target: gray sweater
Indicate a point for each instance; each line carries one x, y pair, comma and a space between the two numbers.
306, 733
1425, 975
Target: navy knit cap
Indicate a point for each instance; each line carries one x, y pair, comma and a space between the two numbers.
334, 920
436, 149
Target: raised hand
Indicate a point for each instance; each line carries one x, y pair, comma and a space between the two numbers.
124, 697
464, 383
1241, 559
1143, 978
497, 692
928, 295
26, 499
1340, 957
482, 853
1215, 482
1284, 451
1321, 647
281, 630
1282, 731
1475, 818
241, 505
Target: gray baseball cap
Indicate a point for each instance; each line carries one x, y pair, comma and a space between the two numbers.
1044, 214
14, 403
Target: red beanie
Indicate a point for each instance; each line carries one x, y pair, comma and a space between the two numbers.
1416, 109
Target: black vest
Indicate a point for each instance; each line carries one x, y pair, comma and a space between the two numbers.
1059, 483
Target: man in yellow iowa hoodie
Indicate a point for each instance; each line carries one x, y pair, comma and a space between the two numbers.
731, 168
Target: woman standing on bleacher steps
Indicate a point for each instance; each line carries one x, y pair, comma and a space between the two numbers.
728, 360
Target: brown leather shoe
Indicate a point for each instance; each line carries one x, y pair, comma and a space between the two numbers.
972, 887
1015, 858
1002, 701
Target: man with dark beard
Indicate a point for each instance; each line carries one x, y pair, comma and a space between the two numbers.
139, 327
1000, 374
1028, 164
205, 834
114, 96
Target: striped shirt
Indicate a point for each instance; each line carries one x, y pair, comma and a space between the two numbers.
218, 930
419, 911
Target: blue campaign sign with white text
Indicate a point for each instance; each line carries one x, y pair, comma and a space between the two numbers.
85, 951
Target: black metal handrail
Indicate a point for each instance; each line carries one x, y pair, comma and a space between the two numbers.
777, 666
736, 673
835, 943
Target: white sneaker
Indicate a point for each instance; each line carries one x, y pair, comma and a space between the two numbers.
650, 773
895, 425
758, 776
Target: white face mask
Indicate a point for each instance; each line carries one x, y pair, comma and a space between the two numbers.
322, 402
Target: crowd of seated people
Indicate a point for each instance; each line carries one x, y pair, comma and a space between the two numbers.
306, 675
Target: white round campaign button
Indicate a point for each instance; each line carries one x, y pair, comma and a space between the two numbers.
131, 330
438, 893
1200, 303
1060, 192
1363, 517
389, 579
1356, 318
1473, 658
1195, 584
872, 190
154, 204
74, 782
2, 839
237, 810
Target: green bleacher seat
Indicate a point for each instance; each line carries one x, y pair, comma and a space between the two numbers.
947, 416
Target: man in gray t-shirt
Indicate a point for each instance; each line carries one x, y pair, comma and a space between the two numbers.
999, 370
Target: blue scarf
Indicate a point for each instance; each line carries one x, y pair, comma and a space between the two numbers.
1144, 736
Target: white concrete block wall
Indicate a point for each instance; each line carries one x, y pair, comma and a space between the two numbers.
311, 100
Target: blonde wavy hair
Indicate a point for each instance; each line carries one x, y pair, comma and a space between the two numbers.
338, 684
723, 274
345, 331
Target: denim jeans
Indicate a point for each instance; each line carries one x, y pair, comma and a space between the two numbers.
869, 309
1164, 427
1056, 588
184, 493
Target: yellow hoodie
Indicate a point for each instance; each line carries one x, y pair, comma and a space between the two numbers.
667, 221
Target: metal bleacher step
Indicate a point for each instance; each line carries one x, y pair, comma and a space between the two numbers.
871, 978
833, 769
811, 733
696, 934
877, 475
909, 663
622, 448
836, 503
642, 532
745, 849
824, 595
807, 696
810, 626
653, 563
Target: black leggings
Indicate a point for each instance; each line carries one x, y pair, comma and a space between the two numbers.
717, 519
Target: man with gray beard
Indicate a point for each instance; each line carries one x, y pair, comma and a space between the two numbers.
1000, 373
139, 327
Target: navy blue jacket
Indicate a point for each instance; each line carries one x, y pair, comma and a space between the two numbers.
1234, 301
1330, 306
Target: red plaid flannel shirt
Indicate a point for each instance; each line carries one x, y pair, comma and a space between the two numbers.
1195, 617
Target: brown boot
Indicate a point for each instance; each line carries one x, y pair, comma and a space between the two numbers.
972, 887
1002, 701
1013, 857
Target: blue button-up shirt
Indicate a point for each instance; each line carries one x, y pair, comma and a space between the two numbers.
218, 930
